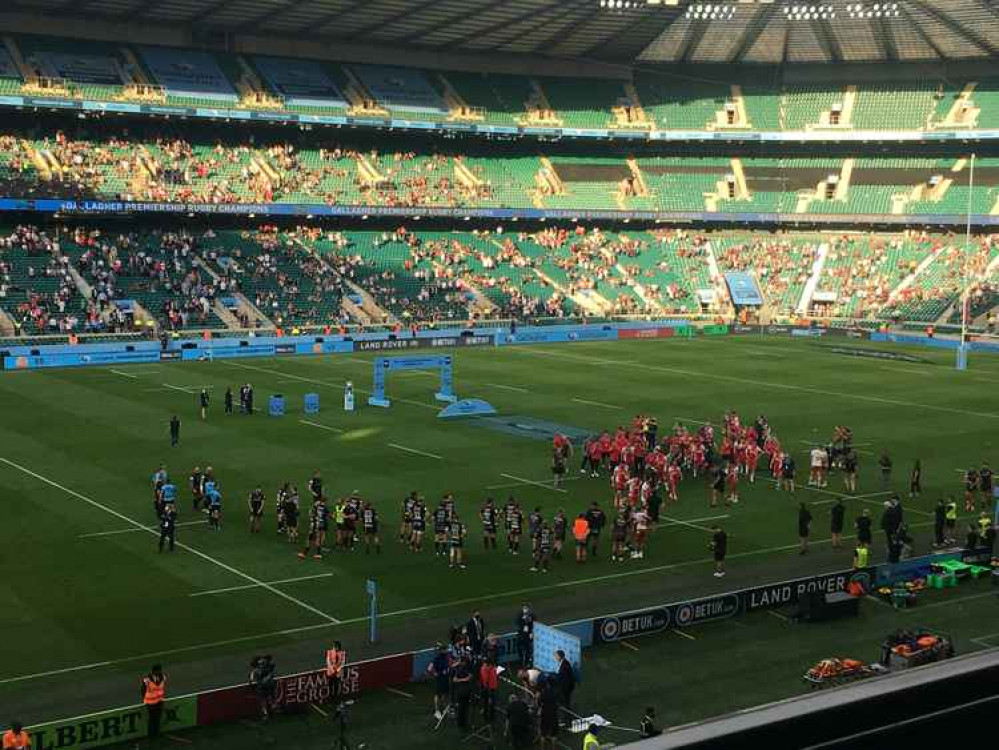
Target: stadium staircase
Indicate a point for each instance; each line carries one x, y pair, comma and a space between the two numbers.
224, 313
629, 112
360, 100
813, 280
43, 160
465, 176
539, 109
253, 94
637, 288
840, 189
7, 328
914, 276
963, 112
845, 113
458, 109
369, 311
953, 312
732, 116
253, 313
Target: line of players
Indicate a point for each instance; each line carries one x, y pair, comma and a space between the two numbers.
449, 532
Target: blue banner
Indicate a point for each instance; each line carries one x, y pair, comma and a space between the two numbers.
743, 289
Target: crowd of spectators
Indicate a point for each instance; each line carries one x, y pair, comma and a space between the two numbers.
36, 286
156, 268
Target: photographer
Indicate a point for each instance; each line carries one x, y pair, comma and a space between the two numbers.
263, 682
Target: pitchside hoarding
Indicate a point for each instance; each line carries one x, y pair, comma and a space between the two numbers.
684, 614
109, 727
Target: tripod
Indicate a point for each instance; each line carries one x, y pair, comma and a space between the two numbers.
481, 728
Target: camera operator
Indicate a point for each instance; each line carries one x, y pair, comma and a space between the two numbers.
263, 681
648, 726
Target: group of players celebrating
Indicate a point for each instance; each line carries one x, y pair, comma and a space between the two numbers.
644, 472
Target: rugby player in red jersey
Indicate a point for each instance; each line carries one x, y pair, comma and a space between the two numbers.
673, 476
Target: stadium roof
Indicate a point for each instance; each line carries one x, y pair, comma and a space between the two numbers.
649, 31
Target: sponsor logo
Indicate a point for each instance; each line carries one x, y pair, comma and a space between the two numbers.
313, 687
808, 332
778, 329
625, 626
378, 345
715, 608
170, 355
284, 349
646, 333
789, 592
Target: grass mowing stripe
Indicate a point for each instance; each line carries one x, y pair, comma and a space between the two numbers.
414, 610
761, 383
192, 550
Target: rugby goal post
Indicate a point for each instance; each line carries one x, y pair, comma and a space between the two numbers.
385, 365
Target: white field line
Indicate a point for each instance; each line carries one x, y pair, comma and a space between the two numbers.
778, 615
521, 482
688, 419
948, 602
320, 426
844, 496
597, 403
202, 522
149, 530
865, 499
692, 524
751, 381
396, 691
983, 640
410, 611
513, 388
542, 485
186, 390
907, 370
128, 375
229, 589
628, 645
327, 383
679, 632
415, 451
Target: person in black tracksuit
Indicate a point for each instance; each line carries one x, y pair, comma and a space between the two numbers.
836, 523
804, 527
168, 525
